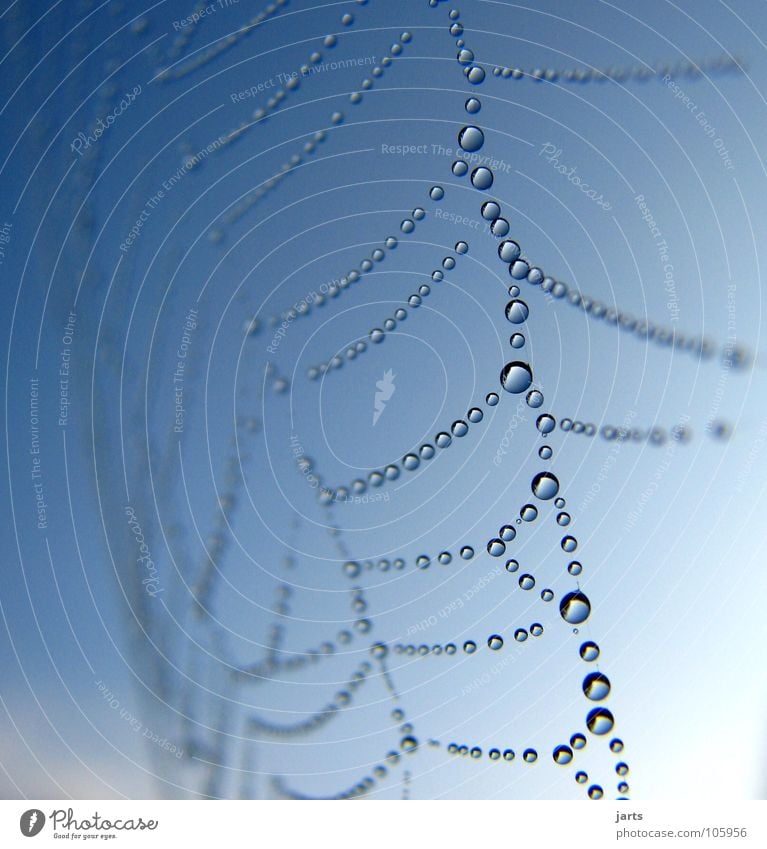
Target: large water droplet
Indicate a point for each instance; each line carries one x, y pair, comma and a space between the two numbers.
516, 377
471, 138
596, 686
496, 547
482, 178
600, 721
545, 486
575, 607
517, 311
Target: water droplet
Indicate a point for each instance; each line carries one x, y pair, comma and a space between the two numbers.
436, 193
520, 635
471, 138
545, 486
559, 503
512, 565
563, 519
545, 452
495, 642
444, 557
516, 377
411, 462
596, 686
465, 56
459, 428
529, 513
509, 250
507, 533
622, 768
475, 415
496, 547
476, 75
530, 756
407, 226
575, 607
482, 178
536, 629
442, 440
467, 552
460, 168
473, 105
500, 227
563, 755
595, 792
517, 311
547, 595
581, 777
574, 568
491, 399
569, 544
578, 741
469, 647
490, 210
616, 745
526, 582
517, 340
518, 269
409, 744
461, 247
494, 754
600, 721
545, 423
508, 754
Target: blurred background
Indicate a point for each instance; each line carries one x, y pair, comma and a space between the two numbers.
265, 487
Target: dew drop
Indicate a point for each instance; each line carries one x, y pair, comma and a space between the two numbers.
507, 533
526, 582
436, 193
545, 423
517, 311
520, 635
509, 250
530, 756
482, 178
496, 547
491, 399
495, 642
500, 227
516, 377
460, 168
473, 105
469, 647
512, 565
508, 754
467, 552
461, 247
578, 741
569, 544
616, 745
517, 340
529, 513
574, 568
562, 755
490, 210
545, 486
575, 607
471, 139
596, 686
459, 428
595, 792
600, 721
545, 452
